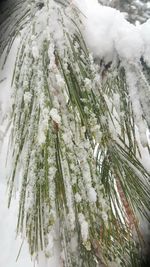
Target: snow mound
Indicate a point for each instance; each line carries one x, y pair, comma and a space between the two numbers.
145, 33
108, 33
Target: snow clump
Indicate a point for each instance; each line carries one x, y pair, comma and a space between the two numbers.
55, 116
107, 33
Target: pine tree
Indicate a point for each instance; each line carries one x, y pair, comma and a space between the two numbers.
74, 134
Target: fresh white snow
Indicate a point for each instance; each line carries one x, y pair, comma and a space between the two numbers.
9, 244
108, 33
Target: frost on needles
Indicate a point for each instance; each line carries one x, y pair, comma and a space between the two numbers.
80, 113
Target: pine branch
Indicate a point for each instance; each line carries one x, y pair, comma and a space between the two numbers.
63, 115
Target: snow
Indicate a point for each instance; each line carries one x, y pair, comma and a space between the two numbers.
55, 116
92, 195
84, 227
132, 81
109, 36
78, 198
27, 97
10, 243
35, 51
145, 33
128, 42
108, 33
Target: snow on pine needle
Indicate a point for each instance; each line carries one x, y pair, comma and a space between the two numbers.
74, 118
